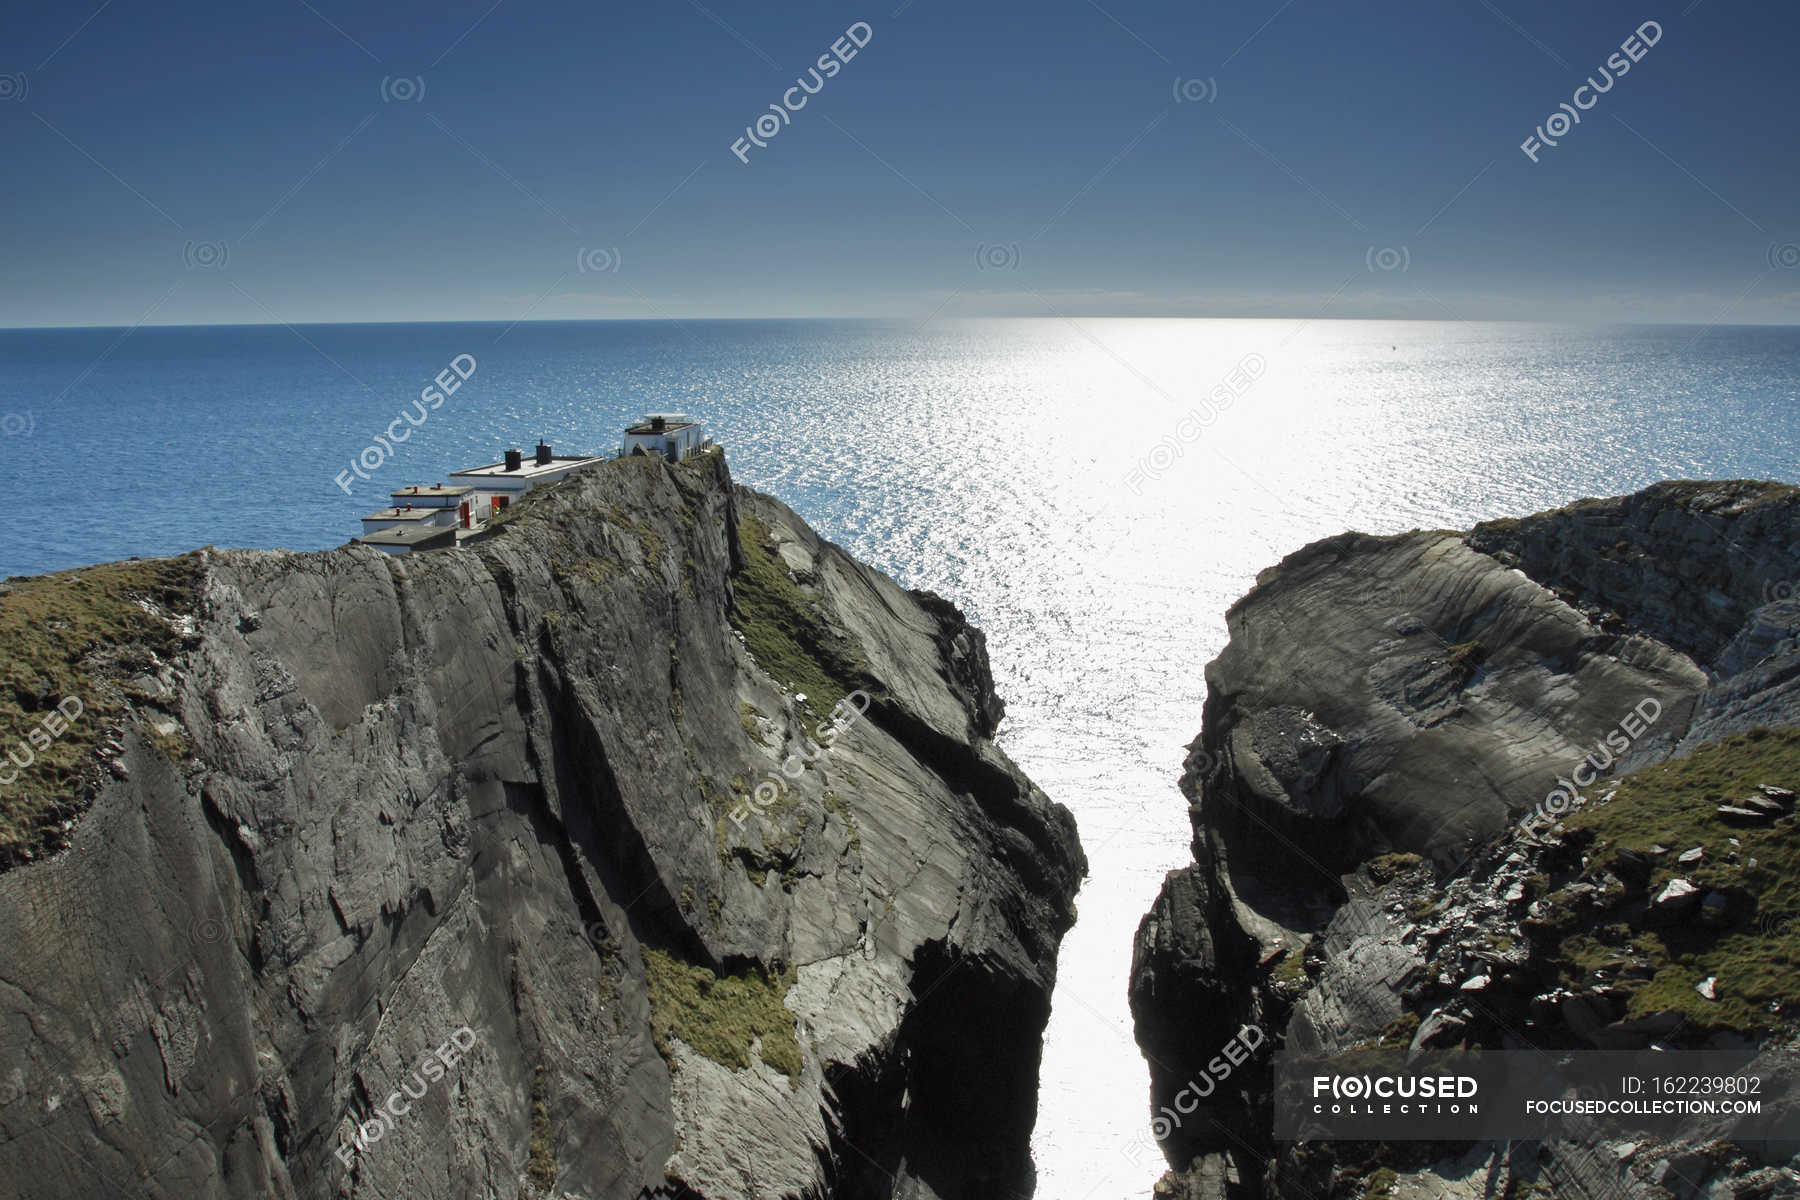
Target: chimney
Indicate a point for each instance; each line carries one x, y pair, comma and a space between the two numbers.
514, 459
657, 424
543, 454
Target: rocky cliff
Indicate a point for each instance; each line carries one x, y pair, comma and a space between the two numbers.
1528, 785
649, 846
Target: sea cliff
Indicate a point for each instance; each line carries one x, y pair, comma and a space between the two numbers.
648, 846
1445, 788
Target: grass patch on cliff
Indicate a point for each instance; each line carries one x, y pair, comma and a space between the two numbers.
782, 626
650, 542
1289, 973
1755, 957
541, 1169
837, 806
720, 1016
1385, 868
76, 634
1380, 1183
1465, 659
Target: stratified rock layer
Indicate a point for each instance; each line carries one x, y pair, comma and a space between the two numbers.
1420, 695
375, 801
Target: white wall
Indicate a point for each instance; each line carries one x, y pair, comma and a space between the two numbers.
449, 502
685, 441
438, 516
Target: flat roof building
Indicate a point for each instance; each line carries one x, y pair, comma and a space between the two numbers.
406, 514
673, 436
515, 473
408, 539
430, 495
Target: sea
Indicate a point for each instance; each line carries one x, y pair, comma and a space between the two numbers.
1095, 493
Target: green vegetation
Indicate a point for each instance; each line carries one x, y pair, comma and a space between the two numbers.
1756, 955
778, 854
783, 628
1518, 1188
1423, 907
1465, 658
1386, 867
542, 1168
1400, 1030
840, 808
1397, 1033
720, 808
720, 1016
1289, 973
78, 634
594, 570
650, 543
1380, 1183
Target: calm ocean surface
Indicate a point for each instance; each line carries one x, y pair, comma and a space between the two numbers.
1010, 465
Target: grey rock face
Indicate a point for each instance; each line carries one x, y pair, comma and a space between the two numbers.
1428, 693
494, 806
1684, 563
1421, 695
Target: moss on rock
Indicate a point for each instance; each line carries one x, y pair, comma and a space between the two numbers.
78, 636
782, 626
722, 1016
1754, 954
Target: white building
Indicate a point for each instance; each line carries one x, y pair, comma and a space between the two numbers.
429, 517
457, 500
674, 436
404, 512
499, 484
394, 518
408, 538
432, 517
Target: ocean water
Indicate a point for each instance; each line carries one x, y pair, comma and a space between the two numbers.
1095, 493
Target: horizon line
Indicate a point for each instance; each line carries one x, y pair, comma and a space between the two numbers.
666, 320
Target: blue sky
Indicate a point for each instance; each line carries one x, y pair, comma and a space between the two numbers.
541, 159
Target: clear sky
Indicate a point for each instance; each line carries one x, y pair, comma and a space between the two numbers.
323, 160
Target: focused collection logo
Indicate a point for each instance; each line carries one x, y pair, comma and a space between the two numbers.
1401, 1095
